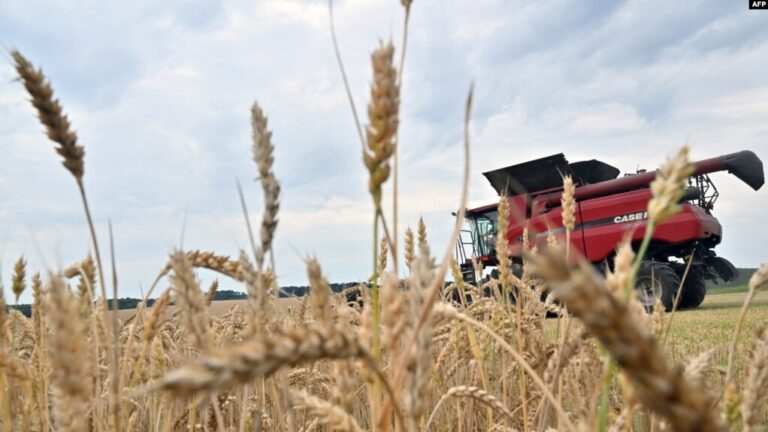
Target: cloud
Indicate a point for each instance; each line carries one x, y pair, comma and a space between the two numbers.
160, 94
608, 118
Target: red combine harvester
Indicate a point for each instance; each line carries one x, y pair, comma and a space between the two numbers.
608, 208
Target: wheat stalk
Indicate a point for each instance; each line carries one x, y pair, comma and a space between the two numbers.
396, 156
437, 281
420, 353
58, 129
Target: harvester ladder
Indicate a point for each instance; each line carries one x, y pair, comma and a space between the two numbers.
462, 243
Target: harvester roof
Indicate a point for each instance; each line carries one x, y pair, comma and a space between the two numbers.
547, 173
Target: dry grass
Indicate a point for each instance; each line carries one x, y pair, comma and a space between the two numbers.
410, 354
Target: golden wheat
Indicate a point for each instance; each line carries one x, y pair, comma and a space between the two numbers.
266, 366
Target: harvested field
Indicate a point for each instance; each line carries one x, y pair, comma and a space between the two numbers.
219, 308
711, 325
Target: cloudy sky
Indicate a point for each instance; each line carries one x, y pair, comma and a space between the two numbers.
159, 93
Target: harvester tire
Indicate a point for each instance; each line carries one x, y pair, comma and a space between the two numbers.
694, 291
656, 279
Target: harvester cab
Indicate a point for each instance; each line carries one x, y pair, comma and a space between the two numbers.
608, 208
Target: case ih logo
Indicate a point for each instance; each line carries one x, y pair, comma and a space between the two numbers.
758, 4
631, 217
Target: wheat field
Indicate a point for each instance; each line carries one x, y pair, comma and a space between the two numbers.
558, 347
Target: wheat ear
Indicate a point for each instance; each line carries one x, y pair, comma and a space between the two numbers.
697, 366
210, 295
502, 245
262, 356
71, 371
263, 156
422, 233
419, 354
257, 285
618, 279
660, 387
409, 248
18, 282
383, 120
191, 300
319, 292
51, 115
475, 393
326, 413
211, 261
394, 315
151, 327
568, 211
669, 185
756, 380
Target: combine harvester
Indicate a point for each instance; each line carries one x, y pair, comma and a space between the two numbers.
608, 208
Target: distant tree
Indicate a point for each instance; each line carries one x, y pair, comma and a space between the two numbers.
25, 309
229, 295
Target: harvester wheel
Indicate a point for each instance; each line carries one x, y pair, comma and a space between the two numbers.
656, 280
694, 290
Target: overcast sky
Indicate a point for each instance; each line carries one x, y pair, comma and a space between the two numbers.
159, 93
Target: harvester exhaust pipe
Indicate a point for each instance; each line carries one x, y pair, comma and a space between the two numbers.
745, 165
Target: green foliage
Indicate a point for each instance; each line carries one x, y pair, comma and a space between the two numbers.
742, 279
726, 289
25, 309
